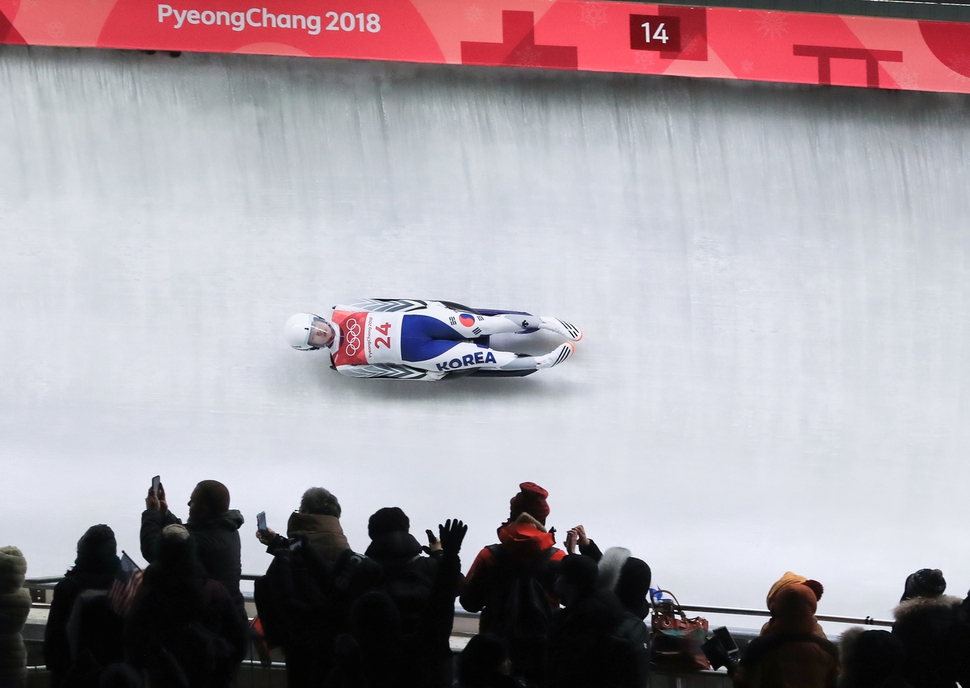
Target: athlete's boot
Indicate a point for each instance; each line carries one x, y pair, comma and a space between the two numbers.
562, 328
555, 357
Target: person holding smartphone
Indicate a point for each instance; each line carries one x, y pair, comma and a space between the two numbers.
305, 597
213, 524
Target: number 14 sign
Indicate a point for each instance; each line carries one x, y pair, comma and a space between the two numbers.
651, 32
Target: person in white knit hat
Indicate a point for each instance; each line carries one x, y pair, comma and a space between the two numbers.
14, 607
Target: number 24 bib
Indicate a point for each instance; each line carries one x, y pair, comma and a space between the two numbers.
367, 337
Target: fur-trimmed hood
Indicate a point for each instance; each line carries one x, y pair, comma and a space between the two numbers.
610, 566
921, 604
323, 533
628, 578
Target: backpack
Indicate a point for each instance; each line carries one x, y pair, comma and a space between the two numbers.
94, 625
518, 609
303, 595
282, 597
629, 658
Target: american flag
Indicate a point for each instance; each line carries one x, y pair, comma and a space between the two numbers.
125, 585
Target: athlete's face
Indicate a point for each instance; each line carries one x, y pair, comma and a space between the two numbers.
321, 333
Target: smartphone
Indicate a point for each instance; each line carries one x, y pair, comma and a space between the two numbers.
156, 481
723, 636
261, 520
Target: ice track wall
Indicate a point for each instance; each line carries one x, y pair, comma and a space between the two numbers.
773, 282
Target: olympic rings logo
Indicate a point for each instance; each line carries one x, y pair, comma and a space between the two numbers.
353, 340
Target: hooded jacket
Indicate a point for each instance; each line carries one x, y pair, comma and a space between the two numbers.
323, 533
627, 577
582, 651
408, 576
792, 651
184, 624
523, 541
218, 546
927, 625
14, 607
57, 646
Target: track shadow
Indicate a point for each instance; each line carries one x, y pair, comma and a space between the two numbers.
538, 385
542, 384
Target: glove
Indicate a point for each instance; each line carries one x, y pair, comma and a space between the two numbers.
451, 535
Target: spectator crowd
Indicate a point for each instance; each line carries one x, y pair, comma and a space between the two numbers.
549, 617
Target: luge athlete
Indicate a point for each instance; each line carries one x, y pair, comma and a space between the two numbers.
410, 339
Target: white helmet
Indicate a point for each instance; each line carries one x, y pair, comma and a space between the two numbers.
301, 327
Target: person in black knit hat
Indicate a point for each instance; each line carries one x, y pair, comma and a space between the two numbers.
926, 621
94, 571
403, 627
924, 583
408, 576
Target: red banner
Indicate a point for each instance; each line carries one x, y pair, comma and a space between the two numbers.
558, 34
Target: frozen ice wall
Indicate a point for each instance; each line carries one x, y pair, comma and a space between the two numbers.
773, 282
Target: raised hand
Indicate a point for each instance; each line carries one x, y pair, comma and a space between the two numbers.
434, 544
452, 534
266, 536
151, 501
576, 536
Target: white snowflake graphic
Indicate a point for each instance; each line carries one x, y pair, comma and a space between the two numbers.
593, 15
474, 14
904, 76
695, 49
772, 24
646, 59
747, 66
55, 29
527, 56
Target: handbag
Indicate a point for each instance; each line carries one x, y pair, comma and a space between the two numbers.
675, 640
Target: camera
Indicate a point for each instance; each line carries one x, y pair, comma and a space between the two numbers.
721, 650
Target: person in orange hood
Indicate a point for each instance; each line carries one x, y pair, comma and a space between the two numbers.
792, 651
511, 582
792, 602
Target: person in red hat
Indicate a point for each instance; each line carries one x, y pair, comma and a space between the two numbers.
511, 583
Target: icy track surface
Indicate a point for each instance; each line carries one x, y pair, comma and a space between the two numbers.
774, 284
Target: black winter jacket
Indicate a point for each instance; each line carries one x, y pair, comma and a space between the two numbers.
107, 645
580, 647
408, 576
185, 630
304, 601
218, 546
927, 626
